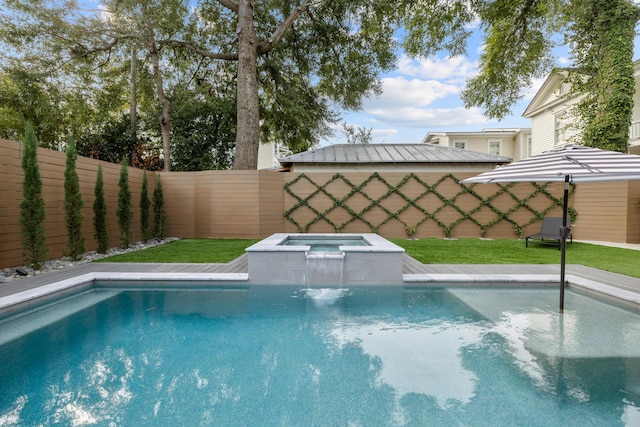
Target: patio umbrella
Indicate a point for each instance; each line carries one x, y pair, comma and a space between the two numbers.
570, 164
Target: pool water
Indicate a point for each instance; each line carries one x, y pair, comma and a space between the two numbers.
326, 244
279, 356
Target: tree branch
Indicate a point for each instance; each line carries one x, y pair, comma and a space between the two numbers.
265, 46
82, 51
199, 51
229, 4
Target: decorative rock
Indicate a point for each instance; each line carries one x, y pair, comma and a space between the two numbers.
14, 273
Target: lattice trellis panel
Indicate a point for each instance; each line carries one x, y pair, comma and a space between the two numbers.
412, 202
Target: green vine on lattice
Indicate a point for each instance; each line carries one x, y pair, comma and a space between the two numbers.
411, 229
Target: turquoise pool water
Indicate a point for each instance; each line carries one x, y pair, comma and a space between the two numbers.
279, 356
325, 244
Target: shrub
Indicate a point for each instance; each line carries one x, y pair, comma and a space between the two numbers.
32, 208
160, 217
101, 232
73, 204
145, 204
125, 206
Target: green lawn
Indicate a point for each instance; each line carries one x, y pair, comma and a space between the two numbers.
511, 251
428, 251
188, 250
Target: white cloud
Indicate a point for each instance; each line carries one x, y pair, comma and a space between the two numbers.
456, 68
382, 133
399, 92
405, 103
429, 117
564, 61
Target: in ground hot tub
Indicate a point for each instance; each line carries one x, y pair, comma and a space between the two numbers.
324, 260
321, 243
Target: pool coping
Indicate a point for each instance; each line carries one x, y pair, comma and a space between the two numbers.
34, 297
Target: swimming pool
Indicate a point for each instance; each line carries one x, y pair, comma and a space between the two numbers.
272, 355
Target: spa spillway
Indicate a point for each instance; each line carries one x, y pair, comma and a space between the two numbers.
325, 260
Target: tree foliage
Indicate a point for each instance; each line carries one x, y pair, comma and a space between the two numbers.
100, 227
603, 32
32, 207
519, 41
27, 96
203, 133
519, 38
356, 135
279, 71
292, 63
73, 204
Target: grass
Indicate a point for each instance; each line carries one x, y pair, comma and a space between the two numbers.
511, 251
428, 251
189, 251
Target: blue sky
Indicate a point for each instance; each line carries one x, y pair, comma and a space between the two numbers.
423, 96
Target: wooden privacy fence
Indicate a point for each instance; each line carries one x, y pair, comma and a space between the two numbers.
52, 165
416, 205
255, 204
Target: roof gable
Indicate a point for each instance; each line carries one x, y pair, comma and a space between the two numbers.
547, 94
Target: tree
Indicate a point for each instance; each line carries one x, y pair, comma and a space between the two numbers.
204, 132
356, 135
27, 96
520, 35
518, 43
341, 45
293, 63
145, 203
125, 206
32, 208
100, 228
603, 33
73, 204
159, 214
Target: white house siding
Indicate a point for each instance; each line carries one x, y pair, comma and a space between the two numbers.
477, 144
542, 133
634, 134
266, 155
548, 103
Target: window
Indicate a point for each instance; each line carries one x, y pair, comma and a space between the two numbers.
494, 147
460, 144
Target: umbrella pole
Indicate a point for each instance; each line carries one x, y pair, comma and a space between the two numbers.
564, 232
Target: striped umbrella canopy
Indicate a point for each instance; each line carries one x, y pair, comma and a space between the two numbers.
570, 163
579, 163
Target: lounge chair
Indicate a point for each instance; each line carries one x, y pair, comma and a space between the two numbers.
549, 233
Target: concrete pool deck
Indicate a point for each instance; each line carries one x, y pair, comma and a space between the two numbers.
616, 288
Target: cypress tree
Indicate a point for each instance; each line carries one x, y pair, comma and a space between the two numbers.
32, 208
125, 206
159, 215
101, 233
73, 204
145, 204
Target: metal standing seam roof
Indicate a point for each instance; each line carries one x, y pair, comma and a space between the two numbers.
392, 153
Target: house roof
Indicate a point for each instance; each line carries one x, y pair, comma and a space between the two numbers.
541, 98
488, 132
391, 153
